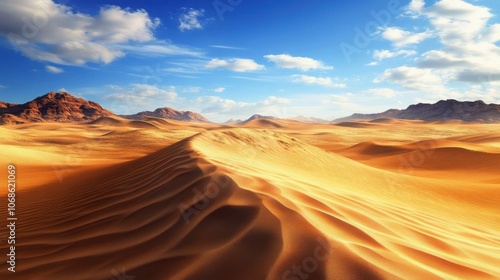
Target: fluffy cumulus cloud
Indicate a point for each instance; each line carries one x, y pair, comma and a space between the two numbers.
46, 31
413, 78
470, 50
415, 7
190, 19
467, 51
401, 38
53, 69
234, 64
219, 90
323, 81
296, 62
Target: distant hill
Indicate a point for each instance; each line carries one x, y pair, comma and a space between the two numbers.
444, 110
54, 107
168, 113
233, 121
257, 116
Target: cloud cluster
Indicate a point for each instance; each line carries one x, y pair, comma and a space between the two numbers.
138, 95
217, 106
46, 31
469, 50
413, 78
191, 19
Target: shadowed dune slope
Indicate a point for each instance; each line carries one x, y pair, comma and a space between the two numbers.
253, 204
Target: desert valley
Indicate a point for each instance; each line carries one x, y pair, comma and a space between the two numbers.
173, 196
249, 140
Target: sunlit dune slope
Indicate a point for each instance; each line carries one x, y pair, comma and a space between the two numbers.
253, 204
117, 121
325, 187
47, 152
471, 158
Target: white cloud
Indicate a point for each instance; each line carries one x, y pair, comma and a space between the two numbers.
373, 63
385, 54
45, 31
141, 96
220, 109
400, 38
219, 89
53, 69
440, 60
415, 7
457, 21
328, 82
470, 52
234, 64
413, 78
296, 62
190, 20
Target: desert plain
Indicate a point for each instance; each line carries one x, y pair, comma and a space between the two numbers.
267, 199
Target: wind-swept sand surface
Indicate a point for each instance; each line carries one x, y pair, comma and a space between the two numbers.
270, 199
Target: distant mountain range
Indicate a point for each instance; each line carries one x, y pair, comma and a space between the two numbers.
444, 110
168, 113
63, 107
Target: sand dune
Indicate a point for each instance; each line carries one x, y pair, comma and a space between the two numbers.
117, 121
241, 203
262, 123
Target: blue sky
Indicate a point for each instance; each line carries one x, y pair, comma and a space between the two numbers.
233, 58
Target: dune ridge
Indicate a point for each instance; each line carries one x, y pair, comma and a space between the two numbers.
244, 203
